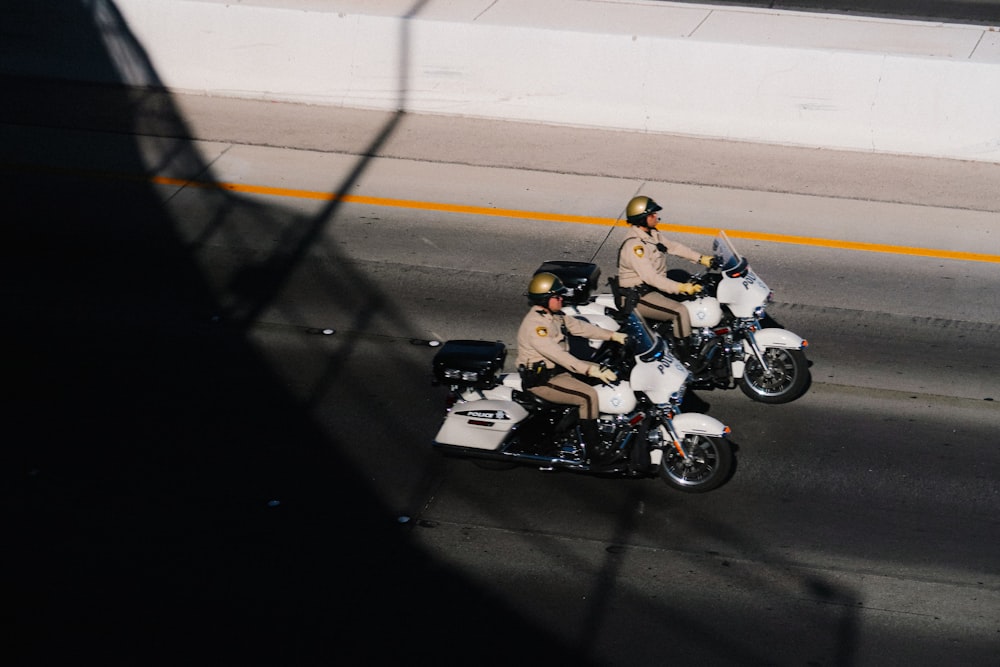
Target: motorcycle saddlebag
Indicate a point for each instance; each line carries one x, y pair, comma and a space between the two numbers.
470, 363
580, 277
481, 424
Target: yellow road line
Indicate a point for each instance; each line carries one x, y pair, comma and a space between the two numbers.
589, 220
558, 217
383, 201
856, 245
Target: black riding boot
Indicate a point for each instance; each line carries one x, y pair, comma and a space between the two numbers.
684, 349
596, 451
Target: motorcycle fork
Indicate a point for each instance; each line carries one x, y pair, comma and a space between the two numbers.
757, 352
675, 439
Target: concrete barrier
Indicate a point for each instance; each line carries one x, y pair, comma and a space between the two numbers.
885, 86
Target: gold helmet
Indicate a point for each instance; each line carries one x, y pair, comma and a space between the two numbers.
638, 208
543, 286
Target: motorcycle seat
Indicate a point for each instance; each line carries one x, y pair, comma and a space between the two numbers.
529, 399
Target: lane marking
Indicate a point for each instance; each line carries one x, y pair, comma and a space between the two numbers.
590, 220
865, 247
790, 239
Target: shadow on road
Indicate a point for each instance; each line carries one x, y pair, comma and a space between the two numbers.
167, 500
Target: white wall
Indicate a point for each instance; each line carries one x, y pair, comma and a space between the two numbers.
754, 75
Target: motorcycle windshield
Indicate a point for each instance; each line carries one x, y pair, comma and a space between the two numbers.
645, 343
657, 351
724, 249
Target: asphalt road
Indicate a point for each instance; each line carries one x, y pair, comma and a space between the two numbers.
196, 472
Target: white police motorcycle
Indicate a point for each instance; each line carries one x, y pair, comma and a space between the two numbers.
490, 419
733, 348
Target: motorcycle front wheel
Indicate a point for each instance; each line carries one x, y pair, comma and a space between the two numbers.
706, 467
785, 379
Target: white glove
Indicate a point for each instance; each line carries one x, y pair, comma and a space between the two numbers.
605, 375
619, 337
689, 288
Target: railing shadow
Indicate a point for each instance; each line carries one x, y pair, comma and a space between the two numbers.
169, 500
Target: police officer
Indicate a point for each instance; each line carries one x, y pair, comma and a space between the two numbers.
642, 265
547, 367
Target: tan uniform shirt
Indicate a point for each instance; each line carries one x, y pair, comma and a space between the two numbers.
640, 261
541, 338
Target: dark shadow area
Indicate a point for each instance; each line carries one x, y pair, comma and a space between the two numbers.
166, 500
170, 500
985, 12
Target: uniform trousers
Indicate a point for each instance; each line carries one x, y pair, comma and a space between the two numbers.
568, 390
660, 307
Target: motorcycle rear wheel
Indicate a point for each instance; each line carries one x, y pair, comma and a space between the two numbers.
707, 466
789, 377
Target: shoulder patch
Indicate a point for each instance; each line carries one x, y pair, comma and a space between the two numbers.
639, 250
542, 331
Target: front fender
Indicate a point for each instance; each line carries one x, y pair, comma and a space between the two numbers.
696, 423
779, 338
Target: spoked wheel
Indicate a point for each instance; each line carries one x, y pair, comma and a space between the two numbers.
785, 379
706, 467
